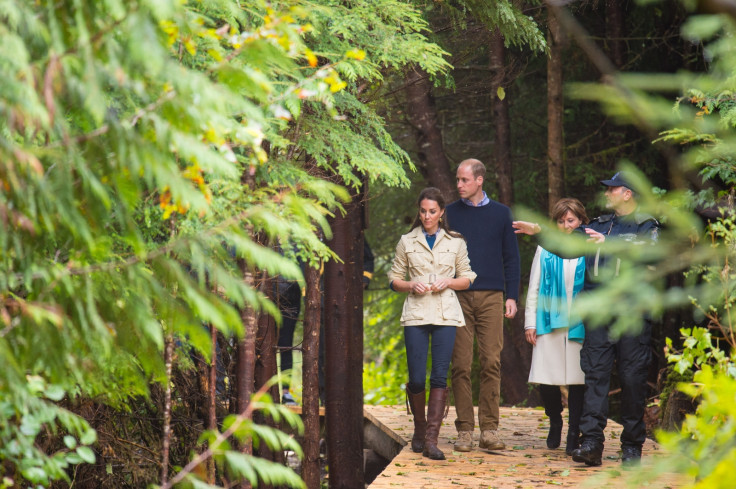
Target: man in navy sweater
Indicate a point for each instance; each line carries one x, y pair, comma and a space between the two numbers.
494, 256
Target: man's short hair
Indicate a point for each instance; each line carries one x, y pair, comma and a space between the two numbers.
476, 166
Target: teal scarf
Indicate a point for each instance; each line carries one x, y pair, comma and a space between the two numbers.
552, 311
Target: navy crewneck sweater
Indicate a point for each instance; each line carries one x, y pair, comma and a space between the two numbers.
492, 246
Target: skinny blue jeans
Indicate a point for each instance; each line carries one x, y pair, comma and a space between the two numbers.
417, 341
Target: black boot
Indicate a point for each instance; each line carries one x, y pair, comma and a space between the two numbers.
552, 408
415, 404
575, 410
589, 453
631, 454
573, 441
435, 413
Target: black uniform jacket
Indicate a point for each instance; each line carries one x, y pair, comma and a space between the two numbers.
637, 228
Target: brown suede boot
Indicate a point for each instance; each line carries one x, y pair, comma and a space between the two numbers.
415, 405
435, 412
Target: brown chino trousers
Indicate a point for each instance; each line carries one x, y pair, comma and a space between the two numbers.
483, 311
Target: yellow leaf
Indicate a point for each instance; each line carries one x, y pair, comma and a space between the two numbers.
336, 85
358, 54
190, 46
311, 58
215, 54
501, 93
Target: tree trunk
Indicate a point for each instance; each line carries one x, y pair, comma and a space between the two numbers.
344, 350
212, 399
265, 368
310, 380
166, 443
501, 120
246, 358
433, 162
516, 359
615, 32
555, 134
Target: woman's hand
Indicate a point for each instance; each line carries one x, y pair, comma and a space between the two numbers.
418, 288
440, 284
531, 336
524, 227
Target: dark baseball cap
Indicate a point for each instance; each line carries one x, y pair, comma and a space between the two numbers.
618, 180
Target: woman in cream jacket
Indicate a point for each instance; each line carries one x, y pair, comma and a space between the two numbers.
557, 338
436, 261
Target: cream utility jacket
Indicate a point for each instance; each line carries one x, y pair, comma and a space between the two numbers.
447, 259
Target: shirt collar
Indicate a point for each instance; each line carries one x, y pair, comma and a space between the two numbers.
484, 201
436, 233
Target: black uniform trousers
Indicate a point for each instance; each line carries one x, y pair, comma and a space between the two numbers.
632, 355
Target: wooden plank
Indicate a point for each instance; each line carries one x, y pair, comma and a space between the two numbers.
526, 462
380, 438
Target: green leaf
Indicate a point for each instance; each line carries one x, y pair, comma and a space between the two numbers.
86, 454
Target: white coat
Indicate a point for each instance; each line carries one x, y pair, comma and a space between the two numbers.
555, 358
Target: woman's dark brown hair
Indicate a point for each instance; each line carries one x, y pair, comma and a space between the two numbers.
565, 205
434, 194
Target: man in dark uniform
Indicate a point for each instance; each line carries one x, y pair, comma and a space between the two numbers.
630, 352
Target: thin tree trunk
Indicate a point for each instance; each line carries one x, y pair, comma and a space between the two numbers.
433, 162
168, 354
212, 398
516, 359
246, 359
266, 338
344, 350
265, 369
310, 381
212, 412
501, 120
615, 31
555, 134
247, 351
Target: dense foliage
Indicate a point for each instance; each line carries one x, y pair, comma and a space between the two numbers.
702, 124
145, 145
151, 148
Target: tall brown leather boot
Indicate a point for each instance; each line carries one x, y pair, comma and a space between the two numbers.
435, 412
415, 406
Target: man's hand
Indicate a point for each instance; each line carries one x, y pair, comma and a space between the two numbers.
524, 227
595, 236
510, 308
531, 336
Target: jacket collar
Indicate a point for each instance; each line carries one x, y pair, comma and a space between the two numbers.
417, 235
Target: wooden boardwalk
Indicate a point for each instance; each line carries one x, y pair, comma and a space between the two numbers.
525, 463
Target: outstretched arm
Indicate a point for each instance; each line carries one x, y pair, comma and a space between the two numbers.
525, 227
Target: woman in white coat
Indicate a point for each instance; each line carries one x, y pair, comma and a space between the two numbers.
557, 339
436, 261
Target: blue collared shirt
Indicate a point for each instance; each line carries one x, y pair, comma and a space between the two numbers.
484, 201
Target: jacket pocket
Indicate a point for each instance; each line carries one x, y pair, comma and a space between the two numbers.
414, 308
417, 262
451, 309
446, 261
